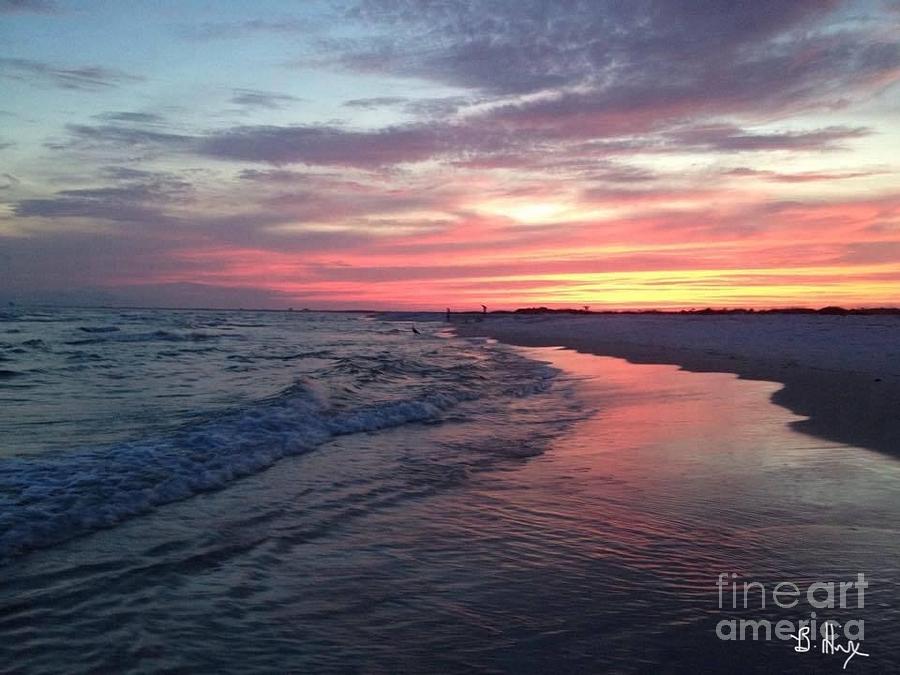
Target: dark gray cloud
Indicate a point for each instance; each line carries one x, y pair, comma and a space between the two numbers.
529, 45
90, 208
323, 145
437, 107
88, 268
28, 7
628, 67
375, 102
421, 107
168, 208
729, 138
127, 173
130, 117
474, 143
72, 259
143, 197
186, 295
86, 136
300, 144
83, 78
818, 72
253, 98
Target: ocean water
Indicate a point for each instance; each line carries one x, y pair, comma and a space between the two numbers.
109, 414
213, 492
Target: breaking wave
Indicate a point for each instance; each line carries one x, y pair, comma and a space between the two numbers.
96, 435
49, 499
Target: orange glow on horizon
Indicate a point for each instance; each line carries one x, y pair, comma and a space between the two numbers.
652, 258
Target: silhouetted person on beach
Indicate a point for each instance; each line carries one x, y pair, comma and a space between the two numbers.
448, 314
484, 309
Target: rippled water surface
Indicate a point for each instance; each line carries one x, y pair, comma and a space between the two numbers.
337, 494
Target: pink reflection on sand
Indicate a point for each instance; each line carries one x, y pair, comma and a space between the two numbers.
680, 474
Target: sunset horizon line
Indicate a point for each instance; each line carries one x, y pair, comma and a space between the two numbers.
539, 308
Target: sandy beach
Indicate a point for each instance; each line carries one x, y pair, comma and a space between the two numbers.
842, 372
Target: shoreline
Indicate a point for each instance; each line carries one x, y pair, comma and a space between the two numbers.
850, 396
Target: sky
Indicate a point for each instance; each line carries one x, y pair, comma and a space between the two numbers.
423, 154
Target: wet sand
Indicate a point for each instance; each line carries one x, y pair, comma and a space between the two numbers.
842, 373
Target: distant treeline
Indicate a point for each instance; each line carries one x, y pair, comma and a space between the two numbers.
841, 311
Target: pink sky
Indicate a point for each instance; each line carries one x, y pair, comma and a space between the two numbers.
397, 154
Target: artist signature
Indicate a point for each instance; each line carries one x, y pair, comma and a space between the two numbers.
829, 644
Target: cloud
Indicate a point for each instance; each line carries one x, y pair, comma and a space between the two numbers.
323, 145
89, 208
243, 29
729, 138
375, 102
473, 143
130, 117
8, 181
253, 98
600, 70
183, 294
278, 145
423, 107
126, 173
277, 176
81, 78
28, 7
86, 136
799, 177
437, 107
524, 47
141, 198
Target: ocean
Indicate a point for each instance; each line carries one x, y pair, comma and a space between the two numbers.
109, 414
236, 491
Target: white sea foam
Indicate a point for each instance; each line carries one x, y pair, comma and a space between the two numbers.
45, 500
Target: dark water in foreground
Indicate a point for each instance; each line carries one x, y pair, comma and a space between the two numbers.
502, 527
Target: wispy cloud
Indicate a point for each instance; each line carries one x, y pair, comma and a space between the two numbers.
224, 30
628, 67
729, 138
799, 177
7, 181
140, 199
322, 145
375, 102
28, 6
131, 117
254, 98
87, 136
83, 78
